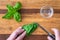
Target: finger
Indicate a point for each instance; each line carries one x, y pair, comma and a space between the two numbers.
21, 36
15, 33
49, 38
56, 32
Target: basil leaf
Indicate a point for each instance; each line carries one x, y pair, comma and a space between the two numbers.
18, 6
10, 8
34, 27
29, 28
13, 12
8, 15
17, 17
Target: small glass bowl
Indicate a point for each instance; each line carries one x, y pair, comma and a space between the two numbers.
46, 11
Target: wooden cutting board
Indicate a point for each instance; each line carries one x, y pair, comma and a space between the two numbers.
30, 13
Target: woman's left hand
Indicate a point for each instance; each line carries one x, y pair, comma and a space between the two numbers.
14, 35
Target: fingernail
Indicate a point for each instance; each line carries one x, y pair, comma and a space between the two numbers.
54, 29
25, 32
20, 27
23, 29
49, 38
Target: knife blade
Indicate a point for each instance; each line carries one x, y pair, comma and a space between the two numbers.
50, 34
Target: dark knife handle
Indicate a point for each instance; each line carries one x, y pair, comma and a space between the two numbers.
52, 36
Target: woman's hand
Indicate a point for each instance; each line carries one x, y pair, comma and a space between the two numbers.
57, 34
14, 35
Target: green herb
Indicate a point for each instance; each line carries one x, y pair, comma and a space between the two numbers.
8, 15
17, 17
10, 8
29, 28
18, 6
13, 12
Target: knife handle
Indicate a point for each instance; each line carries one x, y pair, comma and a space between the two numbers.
52, 36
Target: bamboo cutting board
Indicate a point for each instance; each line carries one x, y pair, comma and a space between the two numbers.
30, 13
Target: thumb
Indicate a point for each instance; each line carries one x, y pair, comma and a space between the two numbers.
56, 32
49, 38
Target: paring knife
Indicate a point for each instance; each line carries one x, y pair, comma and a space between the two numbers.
50, 34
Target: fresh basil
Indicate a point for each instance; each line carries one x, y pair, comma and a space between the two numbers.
18, 6
17, 17
13, 12
29, 28
8, 15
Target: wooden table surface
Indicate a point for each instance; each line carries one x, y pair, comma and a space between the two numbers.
30, 13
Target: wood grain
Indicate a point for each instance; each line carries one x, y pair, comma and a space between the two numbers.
32, 37
30, 13
3, 11
8, 26
29, 4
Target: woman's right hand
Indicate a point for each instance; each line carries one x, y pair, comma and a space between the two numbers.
57, 34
